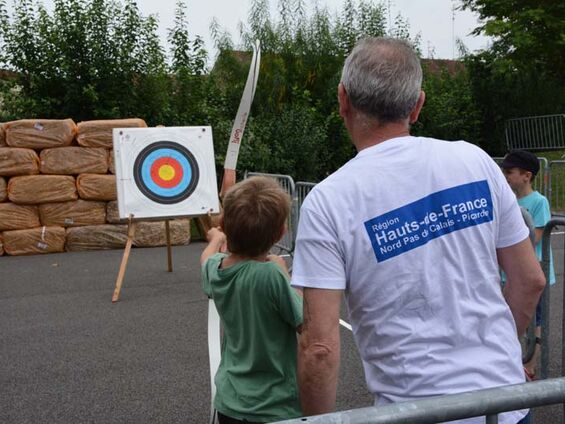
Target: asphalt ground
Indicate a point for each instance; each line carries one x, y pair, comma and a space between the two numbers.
68, 355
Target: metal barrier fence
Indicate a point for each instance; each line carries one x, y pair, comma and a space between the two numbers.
302, 190
536, 132
557, 187
488, 402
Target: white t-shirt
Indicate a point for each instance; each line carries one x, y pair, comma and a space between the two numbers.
409, 229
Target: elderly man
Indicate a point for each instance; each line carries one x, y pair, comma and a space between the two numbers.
413, 231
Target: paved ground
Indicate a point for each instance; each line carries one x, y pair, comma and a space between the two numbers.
69, 355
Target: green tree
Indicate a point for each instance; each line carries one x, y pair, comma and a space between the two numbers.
529, 33
521, 74
187, 71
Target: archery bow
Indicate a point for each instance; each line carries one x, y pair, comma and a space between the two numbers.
228, 180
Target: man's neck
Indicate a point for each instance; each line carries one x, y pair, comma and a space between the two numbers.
366, 135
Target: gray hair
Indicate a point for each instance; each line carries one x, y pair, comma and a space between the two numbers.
383, 78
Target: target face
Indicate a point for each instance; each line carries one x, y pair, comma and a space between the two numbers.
166, 172
162, 172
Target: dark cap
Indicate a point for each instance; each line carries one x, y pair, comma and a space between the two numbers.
521, 159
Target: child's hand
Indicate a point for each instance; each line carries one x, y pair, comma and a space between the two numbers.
215, 235
216, 243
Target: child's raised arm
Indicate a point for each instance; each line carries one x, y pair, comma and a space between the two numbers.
216, 241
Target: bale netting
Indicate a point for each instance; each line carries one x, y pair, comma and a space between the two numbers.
40, 133
111, 162
18, 217
35, 240
2, 136
18, 161
58, 189
152, 233
74, 160
96, 237
99, 133
3, 190
35, 189
73, 213
113, 214
97, 187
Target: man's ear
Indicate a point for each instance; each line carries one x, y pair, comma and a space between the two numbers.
418, 108
344, 105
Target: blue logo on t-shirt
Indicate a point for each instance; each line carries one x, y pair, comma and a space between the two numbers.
433, 216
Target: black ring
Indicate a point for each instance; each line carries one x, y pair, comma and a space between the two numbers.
166, 145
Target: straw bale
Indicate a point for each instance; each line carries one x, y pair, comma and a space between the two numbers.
18, 161
96, 237
2, 136
35, 240
72, 214
74, 160
40, 133
18, 217
3, 190
111, 162
152, 233
97, 187
99, 133
34, 189
112, 213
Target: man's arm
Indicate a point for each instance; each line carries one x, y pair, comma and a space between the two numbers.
524, 281
319, 351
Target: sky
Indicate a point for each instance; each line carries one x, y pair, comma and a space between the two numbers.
433, 19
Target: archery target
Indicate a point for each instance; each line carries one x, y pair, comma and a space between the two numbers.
164, 172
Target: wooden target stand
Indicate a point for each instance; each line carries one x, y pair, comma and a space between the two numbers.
203, 224
127, 250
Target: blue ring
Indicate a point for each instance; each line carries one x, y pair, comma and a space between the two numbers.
161, 191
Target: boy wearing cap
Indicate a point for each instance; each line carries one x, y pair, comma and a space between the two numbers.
520, 168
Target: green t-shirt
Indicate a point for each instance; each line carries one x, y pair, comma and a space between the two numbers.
259, 311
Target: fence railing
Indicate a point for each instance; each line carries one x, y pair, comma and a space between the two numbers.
487, 402
536, 132
557, 187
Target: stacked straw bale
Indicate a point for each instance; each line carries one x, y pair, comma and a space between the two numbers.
58, 189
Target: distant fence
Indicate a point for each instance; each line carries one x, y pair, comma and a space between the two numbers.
536, 132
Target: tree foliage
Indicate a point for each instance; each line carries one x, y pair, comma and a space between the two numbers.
95, 59
529, 33
522, 73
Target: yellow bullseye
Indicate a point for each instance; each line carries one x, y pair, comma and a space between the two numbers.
166, 172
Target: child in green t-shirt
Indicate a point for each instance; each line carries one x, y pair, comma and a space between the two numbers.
260, 312
520, 167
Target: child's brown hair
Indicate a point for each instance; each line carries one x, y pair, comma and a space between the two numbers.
255, 214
